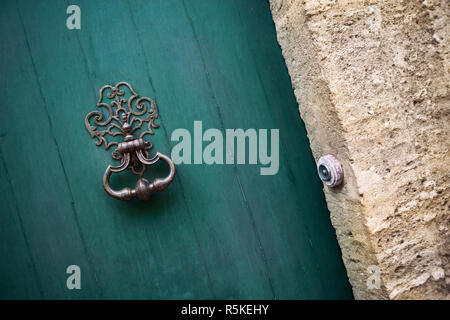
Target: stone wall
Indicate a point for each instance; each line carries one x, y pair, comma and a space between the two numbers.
372, 81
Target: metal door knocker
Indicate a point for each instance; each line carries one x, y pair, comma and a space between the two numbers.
130, 117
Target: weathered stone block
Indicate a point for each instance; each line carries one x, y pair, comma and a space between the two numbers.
372, 82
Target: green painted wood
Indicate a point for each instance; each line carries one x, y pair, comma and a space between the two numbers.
219, 231
18, 275
36, 173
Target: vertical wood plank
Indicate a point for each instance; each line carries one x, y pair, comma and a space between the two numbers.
37, 177
18, 275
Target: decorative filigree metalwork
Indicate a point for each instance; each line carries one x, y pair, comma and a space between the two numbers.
124, 117
127, 117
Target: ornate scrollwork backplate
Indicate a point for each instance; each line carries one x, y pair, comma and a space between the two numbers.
124, 114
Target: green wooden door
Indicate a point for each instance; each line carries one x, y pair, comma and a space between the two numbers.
219, 231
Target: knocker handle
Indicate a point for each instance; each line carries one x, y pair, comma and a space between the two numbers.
143, 188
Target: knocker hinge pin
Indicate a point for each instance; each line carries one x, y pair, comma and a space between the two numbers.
131, 146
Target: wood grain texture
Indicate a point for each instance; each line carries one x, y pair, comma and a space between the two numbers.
220, 231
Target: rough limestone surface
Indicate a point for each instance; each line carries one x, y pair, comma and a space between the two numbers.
372, 81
